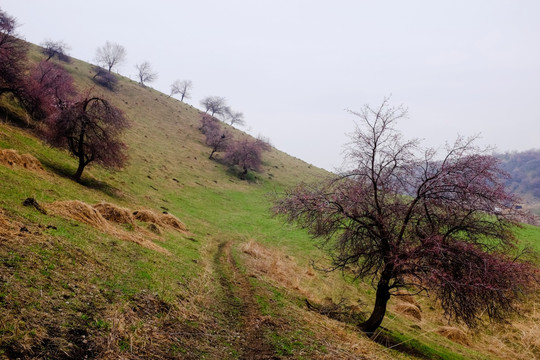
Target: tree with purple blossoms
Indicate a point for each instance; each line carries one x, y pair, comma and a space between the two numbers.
217, 138
47, 89
246, 154
406, 217
90, 129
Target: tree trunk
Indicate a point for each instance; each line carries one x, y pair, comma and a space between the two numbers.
78, 173
379, 310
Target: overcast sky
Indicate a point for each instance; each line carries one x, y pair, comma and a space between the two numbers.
293, 66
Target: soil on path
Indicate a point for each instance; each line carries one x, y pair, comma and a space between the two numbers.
243, 311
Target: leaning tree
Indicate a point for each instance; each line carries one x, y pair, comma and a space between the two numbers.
407, 218
90, 129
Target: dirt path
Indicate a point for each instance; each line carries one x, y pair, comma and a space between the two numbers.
243, 311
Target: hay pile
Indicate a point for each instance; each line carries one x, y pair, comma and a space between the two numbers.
79, 211
404, 296
115, 213
11, 158
409, 309
173, 222
454, 334
165, 220
82, 212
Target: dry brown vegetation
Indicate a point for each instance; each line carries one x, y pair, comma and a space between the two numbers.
455, 334
91, 215
409, 309
164, 220
12, 158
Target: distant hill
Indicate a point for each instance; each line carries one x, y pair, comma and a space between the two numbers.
524, 169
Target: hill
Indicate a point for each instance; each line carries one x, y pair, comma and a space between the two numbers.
176, 257
524, 170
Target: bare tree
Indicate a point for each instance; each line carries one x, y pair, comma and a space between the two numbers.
234, 117
145, 73
111, 55
425, 223
216, 105
182, 87
55, 48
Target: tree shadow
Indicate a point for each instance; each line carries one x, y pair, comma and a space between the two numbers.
67, 172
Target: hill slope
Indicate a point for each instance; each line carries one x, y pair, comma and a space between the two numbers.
77, 281
524, 169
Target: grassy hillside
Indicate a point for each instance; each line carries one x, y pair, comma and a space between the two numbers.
233, 285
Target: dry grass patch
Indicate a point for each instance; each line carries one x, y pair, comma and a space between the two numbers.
11, 158
7, 225
277, 266
517, 339
82, 212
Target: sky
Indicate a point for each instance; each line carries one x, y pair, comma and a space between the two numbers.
294, 67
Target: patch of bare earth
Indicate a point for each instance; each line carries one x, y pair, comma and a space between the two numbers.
243, 312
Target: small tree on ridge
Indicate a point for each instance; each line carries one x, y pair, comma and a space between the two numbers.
111, 55
145, 73
182, 87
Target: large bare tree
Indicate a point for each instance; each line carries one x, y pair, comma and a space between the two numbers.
111, 55
423, 220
